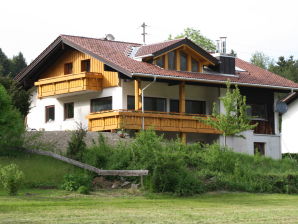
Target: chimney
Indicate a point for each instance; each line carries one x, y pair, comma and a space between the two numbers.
217, 46
223, 43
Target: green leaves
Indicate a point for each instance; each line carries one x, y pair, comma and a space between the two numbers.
11, 178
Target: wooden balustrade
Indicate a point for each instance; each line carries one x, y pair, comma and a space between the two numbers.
69, 83
159, 121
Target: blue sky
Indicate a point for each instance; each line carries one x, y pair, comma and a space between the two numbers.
268, 26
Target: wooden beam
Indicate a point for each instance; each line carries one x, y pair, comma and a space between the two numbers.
177, 60
183, 137
166, 58
138, 92
182, 97
188, 62
200, 67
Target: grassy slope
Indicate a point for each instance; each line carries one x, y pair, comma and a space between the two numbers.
50, 206
39, 170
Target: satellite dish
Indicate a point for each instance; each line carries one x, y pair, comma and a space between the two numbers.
109, 37
281, 107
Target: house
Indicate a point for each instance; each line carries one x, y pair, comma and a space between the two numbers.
101, 83
289, 124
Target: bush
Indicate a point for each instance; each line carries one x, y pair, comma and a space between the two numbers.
77, 146
83, 190
11, 123
11, 178
72, 182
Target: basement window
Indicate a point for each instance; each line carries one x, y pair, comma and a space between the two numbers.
150, 104
50, 113
101, 104
68, 110
258, 111
259, 148
191, 106
85, 65
67, 68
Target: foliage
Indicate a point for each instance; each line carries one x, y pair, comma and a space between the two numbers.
83, 190
11, 123
235, 119
20, 97
11, 178
261, 60
196, 36
11, 67
76, 145
72, 182
287, 68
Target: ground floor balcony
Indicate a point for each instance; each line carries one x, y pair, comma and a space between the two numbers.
159, 121
69, 83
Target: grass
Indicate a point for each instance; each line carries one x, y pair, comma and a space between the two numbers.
56, 206
39, 170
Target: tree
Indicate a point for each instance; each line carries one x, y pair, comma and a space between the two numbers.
287, 68
261, 60
17, 63
196, 37
4, 64
11, 123
20, 98
235, 119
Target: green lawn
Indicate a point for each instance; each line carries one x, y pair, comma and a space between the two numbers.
55, 206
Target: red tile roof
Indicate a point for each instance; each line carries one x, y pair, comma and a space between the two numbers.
116, 55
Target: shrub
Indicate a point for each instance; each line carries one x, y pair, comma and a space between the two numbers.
76, 145
11, 178
83, 190
72, 182
11, 123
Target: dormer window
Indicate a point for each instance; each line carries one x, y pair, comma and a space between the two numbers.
183, 61
160, 61
172, 60
67, 68
85, 65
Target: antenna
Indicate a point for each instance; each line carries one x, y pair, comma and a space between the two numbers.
144, 32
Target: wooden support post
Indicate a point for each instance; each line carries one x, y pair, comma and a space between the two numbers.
182, 107
177, 60
138, 92
188, 63
166, 61
200, 67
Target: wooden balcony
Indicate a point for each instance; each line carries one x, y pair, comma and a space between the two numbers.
69, 84
159, 121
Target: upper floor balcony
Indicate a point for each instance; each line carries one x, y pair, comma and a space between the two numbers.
83, 81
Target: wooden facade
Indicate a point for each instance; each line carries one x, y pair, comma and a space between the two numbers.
69, 84
57, 69
160, 121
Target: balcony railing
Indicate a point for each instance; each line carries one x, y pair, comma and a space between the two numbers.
69, 83
159, 121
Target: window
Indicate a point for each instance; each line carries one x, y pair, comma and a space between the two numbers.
258, 111
50, 113
172, 60
259, 148
68, 110
101, 104
194, 65
191, 107
85, 65
160, 61
183, 61
67, 68
150, 104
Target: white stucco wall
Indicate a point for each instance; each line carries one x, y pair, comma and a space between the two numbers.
36, 116
289, 131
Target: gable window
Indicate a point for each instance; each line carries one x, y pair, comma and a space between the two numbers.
85, 65
50, 113
194, 65
258, 111
67, 68
150, 104
68, 110
183, 61
160, 61
101, 104
191, 106
172, 60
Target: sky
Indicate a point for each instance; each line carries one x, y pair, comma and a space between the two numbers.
269, 26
